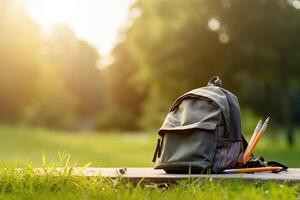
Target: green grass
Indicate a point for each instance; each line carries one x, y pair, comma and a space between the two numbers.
103, 150
26, 145
108, 150
27, 185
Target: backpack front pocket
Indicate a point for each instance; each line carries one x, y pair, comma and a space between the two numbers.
189, 149
189, 136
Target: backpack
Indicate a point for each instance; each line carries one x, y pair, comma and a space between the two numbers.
202, 133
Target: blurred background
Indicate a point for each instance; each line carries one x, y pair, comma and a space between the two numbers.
96, 78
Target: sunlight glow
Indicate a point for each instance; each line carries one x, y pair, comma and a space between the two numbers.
296, 4
96, 21
214, 24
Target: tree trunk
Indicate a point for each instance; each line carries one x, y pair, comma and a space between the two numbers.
269, 95
286, 102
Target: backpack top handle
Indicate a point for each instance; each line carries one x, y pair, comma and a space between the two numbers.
215, 81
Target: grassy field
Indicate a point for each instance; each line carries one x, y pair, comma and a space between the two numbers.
26, 145
108, 150
104, 150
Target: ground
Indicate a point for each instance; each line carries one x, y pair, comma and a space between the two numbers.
29, 145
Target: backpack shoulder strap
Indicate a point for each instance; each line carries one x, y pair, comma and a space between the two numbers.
245, 143
157, 151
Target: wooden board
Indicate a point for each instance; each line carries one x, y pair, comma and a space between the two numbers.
160, 176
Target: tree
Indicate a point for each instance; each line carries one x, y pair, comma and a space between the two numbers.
252, 45
20, 50
71, 93
175, 52
268, 50
124, 97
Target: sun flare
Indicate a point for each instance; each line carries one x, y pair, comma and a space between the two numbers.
97, 21
48, 13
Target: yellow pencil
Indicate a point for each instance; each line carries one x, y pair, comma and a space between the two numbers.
247, 154
256, 131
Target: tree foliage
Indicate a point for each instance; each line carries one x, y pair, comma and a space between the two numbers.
124, 97
20, 44
71, 91
252, 45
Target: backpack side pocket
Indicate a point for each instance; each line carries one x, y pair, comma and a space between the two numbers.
229, 154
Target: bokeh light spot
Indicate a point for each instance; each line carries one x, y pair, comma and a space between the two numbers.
296, 4
224, 38
214, 24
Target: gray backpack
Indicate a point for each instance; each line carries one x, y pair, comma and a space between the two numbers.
202, 132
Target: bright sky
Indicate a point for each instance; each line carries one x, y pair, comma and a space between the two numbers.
96, 21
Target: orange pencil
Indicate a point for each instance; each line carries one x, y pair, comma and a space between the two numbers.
256, 169
252, 146
256, 131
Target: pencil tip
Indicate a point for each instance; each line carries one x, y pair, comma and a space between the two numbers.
267, 120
